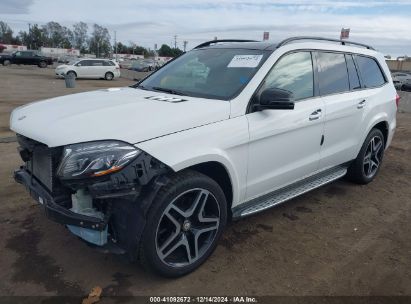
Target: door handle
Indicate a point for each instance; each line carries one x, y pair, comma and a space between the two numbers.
315, 115
361, 104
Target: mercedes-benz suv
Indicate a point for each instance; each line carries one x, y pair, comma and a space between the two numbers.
224, 131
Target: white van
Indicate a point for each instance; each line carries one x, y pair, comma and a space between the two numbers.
90, 68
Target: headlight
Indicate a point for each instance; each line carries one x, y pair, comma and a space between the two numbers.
94, 159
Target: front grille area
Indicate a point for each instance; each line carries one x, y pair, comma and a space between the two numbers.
41, 166
43, 161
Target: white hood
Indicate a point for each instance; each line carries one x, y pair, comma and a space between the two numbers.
121, 114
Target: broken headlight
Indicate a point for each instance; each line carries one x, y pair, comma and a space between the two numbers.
95, 159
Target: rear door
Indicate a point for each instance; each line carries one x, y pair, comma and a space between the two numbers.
97, 68
285, 144
340, 90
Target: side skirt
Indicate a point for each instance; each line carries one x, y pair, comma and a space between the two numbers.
284, 194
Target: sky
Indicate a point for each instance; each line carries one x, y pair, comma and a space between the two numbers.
386, 25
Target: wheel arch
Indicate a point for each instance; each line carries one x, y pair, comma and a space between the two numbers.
380, 122
72, 71
219, 173
383, 127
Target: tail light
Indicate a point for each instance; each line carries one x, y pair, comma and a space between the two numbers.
397, 99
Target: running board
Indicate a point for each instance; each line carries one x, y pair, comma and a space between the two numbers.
282, 195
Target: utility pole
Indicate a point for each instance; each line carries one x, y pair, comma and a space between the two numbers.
185, 45
29, 36
175, 41
115, 43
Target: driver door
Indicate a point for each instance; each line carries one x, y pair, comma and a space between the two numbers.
285, 145
18, 57
83, 69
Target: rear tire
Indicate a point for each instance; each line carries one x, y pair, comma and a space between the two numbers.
42, 64
109, 76
184, 224
6, 62
368, 162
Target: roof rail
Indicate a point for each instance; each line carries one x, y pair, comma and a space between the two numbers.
288, 40
208, 43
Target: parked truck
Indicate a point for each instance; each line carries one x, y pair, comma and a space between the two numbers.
26, 58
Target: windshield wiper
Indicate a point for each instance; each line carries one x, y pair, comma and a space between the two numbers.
142, 87
171, 91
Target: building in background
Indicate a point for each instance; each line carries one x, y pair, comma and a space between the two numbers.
127, 56
8, 48
58, 52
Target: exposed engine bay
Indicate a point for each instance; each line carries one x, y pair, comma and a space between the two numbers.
104, 210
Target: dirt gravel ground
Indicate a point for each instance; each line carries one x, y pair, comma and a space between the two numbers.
342, 239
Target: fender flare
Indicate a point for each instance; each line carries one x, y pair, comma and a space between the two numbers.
380, 117
218, 158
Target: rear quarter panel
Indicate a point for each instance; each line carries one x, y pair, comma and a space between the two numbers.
381, 106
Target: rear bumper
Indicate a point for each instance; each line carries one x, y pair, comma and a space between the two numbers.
53, 210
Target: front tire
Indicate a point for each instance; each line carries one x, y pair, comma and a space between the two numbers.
184, 224
368, 162
71, 74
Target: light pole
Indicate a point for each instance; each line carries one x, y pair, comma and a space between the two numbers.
115, 43
29, 36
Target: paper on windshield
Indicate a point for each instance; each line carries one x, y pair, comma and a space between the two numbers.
245, 61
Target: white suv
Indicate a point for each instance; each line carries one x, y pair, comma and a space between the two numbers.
226, 130
89, 68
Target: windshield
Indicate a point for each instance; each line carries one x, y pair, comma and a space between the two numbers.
210, 73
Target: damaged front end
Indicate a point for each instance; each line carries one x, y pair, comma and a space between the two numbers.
100, 190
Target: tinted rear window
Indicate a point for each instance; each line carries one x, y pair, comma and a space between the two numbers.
370, 71
85, 63
96, 62
333, 73
352, 73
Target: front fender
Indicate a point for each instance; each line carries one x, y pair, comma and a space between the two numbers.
225, 142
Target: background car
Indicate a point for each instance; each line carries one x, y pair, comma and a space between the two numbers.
126, 64
146, 65
406, 86
90, 68
399, 78
26, 58
66, 59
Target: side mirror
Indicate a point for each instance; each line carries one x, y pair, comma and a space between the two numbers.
275, 99
78, 64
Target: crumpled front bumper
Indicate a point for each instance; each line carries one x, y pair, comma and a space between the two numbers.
53, 210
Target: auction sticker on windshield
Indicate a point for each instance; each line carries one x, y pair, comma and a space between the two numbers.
245, 61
